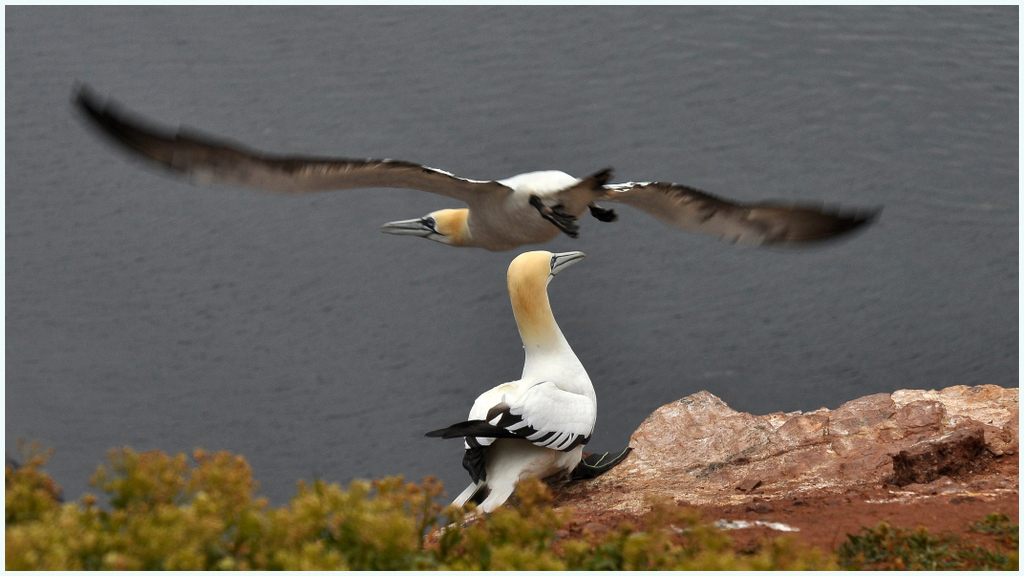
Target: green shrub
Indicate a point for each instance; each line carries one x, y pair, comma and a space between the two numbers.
164, 515
1001, 527
886, 548
29, 492
674, 538
203, 513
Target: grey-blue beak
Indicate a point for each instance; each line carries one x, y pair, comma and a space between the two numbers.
421, 227
565, 259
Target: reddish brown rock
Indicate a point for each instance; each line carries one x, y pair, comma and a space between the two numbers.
918, 416
1005, 440
861, 415
701, 451
954, 454
695, 431
801, 431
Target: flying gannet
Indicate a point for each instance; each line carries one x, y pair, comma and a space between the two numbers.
535, 426
529, 208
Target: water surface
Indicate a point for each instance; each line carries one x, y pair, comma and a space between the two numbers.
147, 312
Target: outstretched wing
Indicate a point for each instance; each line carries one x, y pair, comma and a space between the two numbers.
762, 223
209, 159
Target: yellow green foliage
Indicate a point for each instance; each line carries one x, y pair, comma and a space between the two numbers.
30, 493
1001, 527
886, 548
202, 513
674, 538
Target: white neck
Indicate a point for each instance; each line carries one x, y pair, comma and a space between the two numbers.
547, 352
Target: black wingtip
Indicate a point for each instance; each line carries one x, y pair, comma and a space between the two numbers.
853, 222
103, 112
471, 429
129, 132
445, 433
99, 114
809, 224
85, 100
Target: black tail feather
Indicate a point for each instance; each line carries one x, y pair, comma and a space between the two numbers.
600, 178
594, 465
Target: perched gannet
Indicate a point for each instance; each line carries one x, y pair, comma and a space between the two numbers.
501, 214
535, 426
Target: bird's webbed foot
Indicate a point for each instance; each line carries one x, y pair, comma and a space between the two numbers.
602, 214
594, 465
554, 214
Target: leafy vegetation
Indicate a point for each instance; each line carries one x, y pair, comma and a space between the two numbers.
1001, 527
172, 512
886, 548
166, 512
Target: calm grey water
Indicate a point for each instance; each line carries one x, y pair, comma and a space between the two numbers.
147, 312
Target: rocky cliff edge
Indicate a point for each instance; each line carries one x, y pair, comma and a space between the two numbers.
700, 452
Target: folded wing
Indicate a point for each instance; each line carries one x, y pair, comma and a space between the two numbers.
545, 415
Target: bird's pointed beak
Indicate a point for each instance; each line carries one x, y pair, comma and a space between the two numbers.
565, 259
415, 227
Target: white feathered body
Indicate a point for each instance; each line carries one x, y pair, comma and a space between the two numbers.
553, 405
556, 391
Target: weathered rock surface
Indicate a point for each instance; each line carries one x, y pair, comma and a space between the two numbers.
700, 451
954, 454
